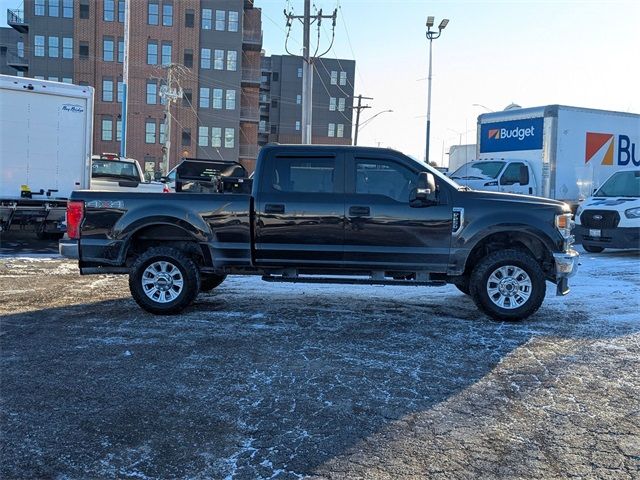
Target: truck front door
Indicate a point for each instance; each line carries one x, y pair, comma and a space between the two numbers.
382, 231
300, 211
516, 178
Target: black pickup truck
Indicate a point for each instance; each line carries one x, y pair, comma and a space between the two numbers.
329, 214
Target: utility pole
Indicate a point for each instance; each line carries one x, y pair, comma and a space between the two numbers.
308, 60
170, 95
431, 36
125, 78
358, 108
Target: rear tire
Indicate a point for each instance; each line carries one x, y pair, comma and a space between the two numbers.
209, 282
164, 281
508, 285
593, 249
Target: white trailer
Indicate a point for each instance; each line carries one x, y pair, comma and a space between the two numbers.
553, 151
46, 131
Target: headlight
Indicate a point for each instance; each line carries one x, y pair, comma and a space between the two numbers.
632, 213
564, 224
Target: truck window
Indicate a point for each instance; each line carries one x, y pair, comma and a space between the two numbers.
303, 175
481, 170
511, 174
114, 169
383, 177
621, 184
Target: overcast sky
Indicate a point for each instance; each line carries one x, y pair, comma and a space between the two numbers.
579, 53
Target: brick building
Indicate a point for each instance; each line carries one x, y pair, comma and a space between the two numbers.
281, 100
215, 45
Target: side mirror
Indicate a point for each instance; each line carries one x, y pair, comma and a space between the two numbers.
425, 192
523, 178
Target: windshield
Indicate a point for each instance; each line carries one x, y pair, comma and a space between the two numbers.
478, 171
114, 169
621, 184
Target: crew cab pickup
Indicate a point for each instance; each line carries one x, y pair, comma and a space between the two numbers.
332, 214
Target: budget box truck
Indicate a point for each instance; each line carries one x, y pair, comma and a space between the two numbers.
554, 151
45, 151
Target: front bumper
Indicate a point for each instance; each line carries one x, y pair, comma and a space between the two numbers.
566, 266
69, 249
619, 237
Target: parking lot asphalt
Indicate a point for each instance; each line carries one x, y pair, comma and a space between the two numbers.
273, 381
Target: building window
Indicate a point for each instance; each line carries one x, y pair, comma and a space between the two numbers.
298, 125
186, 137
217, 98
67, 80
166, 53
152, 52
189, 21
150, 131
161, 138
39, 7
218, 62
332, 130
216, 137
54, 8
38, 41
233, 21
120, 91
299, 72
52, 79
274, 103
83, 50
332, 104
275, 77
67, 8
167, 14
232, 60
204, 99
341, 104
298, 99
340, 130
20, 48
203, 136
343, 78
67, 47
38, 77
107, 129
206, 18
107, 89
153, 13
262, 126
84, 9
187, 97
109, 10
334, 77
229, 137
220, 20
120, 50
118, 130
205, 58
230, 103
121, 6
152, 93
107, 49
188, 58
54, 51
274, 129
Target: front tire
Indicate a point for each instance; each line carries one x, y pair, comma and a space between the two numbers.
593, 248
164, 281
508, 285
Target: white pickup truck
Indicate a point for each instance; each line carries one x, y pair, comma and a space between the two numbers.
112, 173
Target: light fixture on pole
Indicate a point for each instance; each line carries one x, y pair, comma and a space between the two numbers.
359, 127
431, 36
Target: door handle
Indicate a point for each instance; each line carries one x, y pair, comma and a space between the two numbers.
274, 208
359, 211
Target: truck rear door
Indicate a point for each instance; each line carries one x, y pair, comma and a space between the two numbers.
300, 210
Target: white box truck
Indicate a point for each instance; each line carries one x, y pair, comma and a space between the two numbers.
46, 131
552, 151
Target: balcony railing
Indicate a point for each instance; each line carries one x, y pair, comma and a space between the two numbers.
15, 19
248, 151
252, 37
263, 127
251, 75
19, 63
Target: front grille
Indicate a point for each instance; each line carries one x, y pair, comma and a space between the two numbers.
600, 219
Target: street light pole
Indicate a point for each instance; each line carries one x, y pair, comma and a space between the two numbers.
431, 36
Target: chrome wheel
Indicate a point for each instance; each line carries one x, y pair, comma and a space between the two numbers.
162, 282
509, 287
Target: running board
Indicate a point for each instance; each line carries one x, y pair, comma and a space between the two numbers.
352, 281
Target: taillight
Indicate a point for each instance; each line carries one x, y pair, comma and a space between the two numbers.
75, 212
